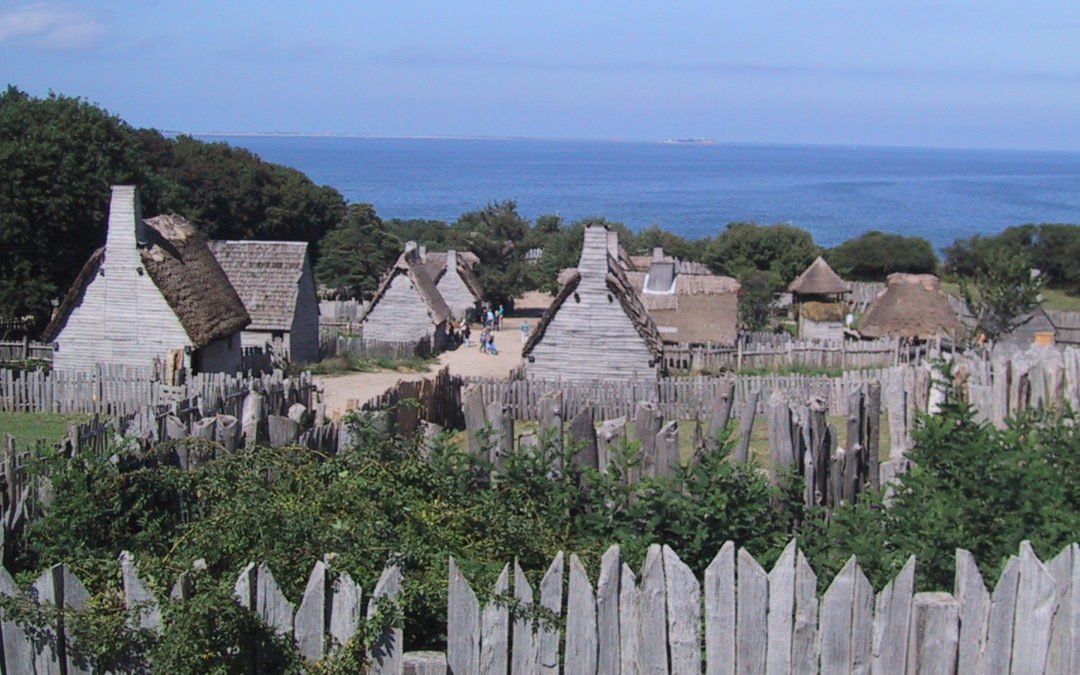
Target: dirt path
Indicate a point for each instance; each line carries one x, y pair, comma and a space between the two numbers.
338, 390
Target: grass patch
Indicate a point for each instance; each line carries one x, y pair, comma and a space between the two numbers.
29, 427
337, 365
1053, 298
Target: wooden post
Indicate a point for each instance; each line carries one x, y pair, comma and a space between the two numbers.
746, 427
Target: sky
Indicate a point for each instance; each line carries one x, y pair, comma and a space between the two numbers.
936, 73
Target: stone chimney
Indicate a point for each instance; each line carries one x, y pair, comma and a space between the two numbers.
126, 229
613, 244
423, 252
451, 259
411, 251
658, 253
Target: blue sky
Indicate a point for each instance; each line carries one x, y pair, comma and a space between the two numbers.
960, 74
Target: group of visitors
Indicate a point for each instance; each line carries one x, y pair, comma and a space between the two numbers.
493, 321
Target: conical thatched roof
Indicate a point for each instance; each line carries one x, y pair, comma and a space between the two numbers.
911, 306
819, 279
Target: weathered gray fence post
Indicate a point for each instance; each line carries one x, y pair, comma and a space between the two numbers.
746, 427
647, 422
667, 449
583, 439
472, 405
610, 435
495, 629
385, 653
721, 412
502, 433
462, 624
781, 443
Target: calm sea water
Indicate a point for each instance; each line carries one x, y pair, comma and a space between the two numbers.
694, 190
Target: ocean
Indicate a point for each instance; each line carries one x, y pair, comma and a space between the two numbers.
693, 189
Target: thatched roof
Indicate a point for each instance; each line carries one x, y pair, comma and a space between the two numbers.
190, 279
266, 276
911, 306
819, 279
408, 263
620, 287
822, 311
434, 264
704, 308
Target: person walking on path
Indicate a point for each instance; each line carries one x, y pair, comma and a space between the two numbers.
485, 337
465, 333
489, 319
524, 332
499, 318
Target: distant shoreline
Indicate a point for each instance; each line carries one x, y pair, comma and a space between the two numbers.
552, 139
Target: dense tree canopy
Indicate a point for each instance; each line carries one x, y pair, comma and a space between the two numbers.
874, 255
356, 253
58, 157
494, 234
1053, 249
780, 251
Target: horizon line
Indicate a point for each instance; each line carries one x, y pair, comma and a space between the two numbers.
664, 141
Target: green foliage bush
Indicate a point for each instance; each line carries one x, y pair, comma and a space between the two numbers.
1052, 248
779, 251
874, 255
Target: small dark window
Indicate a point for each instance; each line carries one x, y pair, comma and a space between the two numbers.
577, 298
610, 297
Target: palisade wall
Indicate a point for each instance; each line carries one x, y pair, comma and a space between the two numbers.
741, 618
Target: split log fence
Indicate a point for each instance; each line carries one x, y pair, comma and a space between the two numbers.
741, 618
759, 350
329, 615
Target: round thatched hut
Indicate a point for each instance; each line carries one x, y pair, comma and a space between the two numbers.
911, 306
818, 295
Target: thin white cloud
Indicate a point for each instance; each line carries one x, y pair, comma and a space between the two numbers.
51, 26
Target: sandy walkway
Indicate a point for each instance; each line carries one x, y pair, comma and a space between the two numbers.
338, 390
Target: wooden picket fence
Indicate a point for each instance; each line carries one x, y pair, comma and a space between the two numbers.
751, 351
331, 344
677, 397
743, 619
25, 350
115, 390
327, 617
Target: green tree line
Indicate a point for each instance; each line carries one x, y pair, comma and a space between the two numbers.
58, 156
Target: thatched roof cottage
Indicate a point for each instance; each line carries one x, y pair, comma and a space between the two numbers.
911, 306
818, 295
688, 304
452, 272
597, 327
276, 284
154, 288
407, 307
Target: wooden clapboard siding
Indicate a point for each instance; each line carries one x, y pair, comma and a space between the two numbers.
400, 314
304, 333
453, 289
590, 336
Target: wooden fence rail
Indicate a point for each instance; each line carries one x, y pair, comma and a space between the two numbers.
786, 352
25, 350
743, 619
